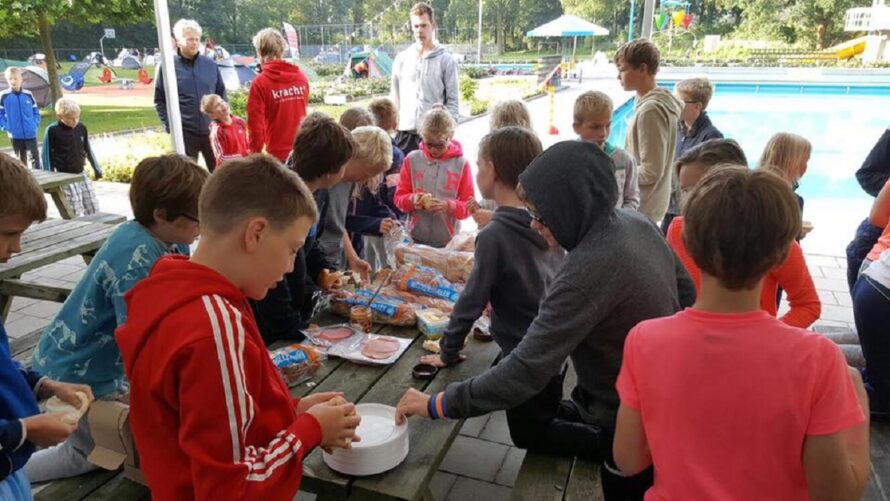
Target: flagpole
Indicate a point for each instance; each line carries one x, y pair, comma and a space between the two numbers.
174, 119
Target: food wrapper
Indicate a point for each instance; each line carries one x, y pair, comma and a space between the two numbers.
297, 363
386, 309
322, 338
443, 305
354, 349
432, 322
425, 281
463, 242
455, 266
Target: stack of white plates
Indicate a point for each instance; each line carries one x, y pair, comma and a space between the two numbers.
383, 445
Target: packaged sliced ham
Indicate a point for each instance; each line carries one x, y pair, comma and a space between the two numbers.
425, 281
455, 266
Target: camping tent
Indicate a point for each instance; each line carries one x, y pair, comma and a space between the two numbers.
235, 75
6, 63
568, 26
35, 80
85, 72
372, 63
127, 59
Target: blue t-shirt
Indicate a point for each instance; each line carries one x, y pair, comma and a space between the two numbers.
79, 346
17, 401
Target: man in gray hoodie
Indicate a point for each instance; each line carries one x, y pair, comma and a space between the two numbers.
423, 75
618, 272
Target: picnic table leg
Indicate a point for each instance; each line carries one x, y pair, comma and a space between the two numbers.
62, 204
5, 303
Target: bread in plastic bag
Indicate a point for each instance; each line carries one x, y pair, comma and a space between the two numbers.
425, 281
455, 266
297, 363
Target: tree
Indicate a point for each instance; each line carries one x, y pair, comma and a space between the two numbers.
27, 17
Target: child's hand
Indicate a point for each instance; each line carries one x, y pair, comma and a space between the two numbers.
392, 180
67, 392
805, 228
412, 403
47, 430
386, 225
482, 217
437, 206
329, 281
436, 360
309, 401
338, 424
422, 201
361, 267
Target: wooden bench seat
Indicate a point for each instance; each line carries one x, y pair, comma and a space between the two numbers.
552, 478
103, 217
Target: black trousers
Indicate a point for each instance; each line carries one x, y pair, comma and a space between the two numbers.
407, 141
548, 424
22, 147
195, 144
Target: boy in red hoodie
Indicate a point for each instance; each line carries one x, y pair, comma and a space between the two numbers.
211, 416
228, 133
278, 97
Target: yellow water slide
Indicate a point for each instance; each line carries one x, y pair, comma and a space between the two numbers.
849, 48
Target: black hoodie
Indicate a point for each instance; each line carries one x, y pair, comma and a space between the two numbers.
618, 272
512, 267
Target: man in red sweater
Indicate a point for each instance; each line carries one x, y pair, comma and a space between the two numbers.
210, 413
278, 97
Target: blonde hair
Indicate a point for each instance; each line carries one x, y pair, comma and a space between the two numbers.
356, 117
698, 90
22, 195
384, 112
436, 121
783, 154
373, 147
67, 107
591, 103
12, 70
207, 101
269, 43
184, 25
507, 113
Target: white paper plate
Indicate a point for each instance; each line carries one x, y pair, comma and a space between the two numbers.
384, 445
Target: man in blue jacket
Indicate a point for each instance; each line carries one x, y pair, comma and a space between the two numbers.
196, 76
20, 117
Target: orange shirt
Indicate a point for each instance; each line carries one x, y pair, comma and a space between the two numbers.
727, 401
881, 245
793, 276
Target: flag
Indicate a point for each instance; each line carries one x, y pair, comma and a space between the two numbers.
292, 40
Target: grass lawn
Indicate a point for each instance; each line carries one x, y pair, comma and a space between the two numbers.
118, 72
101, 119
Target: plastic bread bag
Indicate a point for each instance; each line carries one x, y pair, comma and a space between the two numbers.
386, 309
463, 242
425, 281
399, 236
443, 305
297, 363
455, 266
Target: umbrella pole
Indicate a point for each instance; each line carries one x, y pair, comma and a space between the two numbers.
574, 46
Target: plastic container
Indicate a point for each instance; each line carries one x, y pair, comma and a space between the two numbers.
432, 323
361, 317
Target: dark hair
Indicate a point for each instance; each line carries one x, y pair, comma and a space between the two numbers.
637, 52
22, 195
421, 8
171, 183
510, 149
384, 112
739, 224
356, 117
322, 146
256, 186
712, 152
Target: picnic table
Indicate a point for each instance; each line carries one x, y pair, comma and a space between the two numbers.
46, 243
52, 183
429, 440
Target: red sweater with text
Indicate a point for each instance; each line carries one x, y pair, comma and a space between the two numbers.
276, 106
210, 414
792, 275
229, 141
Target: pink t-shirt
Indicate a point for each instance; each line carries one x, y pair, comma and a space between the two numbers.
727, 401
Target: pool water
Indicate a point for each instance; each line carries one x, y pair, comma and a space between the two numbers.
842, 122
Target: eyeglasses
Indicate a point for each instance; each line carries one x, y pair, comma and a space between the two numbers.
691, 102
190, 218
437, 146
534, 215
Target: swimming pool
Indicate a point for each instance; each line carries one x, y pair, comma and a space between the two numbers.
841, 121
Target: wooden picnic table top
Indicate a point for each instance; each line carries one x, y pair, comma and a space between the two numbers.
429, 440
52, 241
51, 180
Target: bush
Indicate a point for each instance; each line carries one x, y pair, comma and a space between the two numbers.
477, 107
120, 154
326, 69
468, 88
351, 88
476, 72
238, 103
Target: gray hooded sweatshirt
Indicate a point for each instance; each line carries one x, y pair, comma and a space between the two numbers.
512, 267
419, 83
618, 272
652, 140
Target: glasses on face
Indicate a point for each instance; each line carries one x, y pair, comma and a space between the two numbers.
437, 146
190, 218
535, 216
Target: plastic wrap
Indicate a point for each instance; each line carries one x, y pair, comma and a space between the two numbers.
443, 305
425, 281
463, 242
297, 363
386, 309
455, 266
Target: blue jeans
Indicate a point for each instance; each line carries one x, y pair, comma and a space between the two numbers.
871, 310
866, 236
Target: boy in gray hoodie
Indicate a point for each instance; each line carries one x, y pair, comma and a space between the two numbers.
618, 272
652, 133
423, 75
512, 267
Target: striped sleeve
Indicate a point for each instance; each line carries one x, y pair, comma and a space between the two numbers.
232, 453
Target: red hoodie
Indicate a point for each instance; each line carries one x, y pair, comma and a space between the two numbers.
211, 416
276, 106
